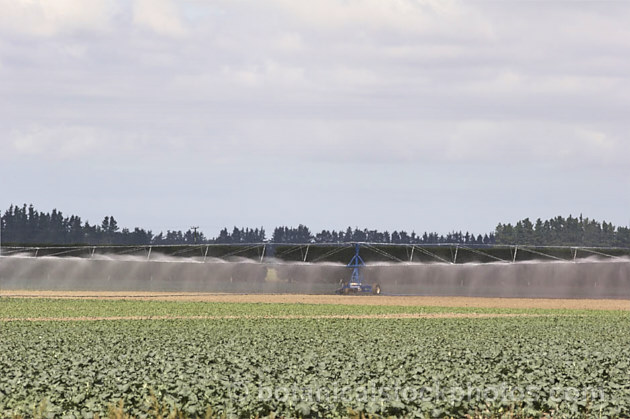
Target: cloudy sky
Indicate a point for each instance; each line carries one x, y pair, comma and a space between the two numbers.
390, 114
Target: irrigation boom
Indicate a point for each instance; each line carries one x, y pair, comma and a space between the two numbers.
353, 268
273, 253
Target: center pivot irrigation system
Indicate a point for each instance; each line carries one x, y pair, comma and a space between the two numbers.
279, 261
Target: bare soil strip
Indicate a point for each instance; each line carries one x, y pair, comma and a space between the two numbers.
473, 302
287, 317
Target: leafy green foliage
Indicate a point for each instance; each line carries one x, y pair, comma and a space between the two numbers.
37, 308
234, 366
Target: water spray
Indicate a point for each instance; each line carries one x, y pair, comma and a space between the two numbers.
440, 270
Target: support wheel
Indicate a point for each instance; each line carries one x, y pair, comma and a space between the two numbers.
376, 290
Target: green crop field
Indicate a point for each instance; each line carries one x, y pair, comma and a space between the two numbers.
12, 308
251, 361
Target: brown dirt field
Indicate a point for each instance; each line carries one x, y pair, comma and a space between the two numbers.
474, 302
288, 317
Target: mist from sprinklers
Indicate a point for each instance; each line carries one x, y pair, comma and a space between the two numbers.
168, 273
585, 278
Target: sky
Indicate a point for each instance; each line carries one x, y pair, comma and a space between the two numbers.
420, 115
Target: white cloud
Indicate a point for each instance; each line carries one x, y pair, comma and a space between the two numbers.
290, 42
85, 143
60, 142
161, 16
52, 17
407, 16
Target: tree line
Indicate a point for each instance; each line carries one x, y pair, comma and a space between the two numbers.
302, 234
560, 231
26, 225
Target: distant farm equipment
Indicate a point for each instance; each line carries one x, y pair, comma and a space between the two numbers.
356, 284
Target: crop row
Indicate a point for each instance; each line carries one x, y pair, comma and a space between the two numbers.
37, 308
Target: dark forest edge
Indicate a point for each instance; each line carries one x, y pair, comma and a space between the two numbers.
26, 225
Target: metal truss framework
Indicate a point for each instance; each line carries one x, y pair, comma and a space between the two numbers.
324, 252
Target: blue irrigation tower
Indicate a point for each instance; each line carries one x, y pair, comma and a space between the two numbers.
356, 263
356, 284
